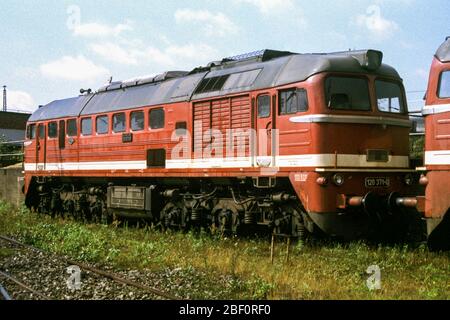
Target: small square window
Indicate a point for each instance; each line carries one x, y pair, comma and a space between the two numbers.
102, 124
41, 131
137, 121
72, 130
86, 126
119, 122
157, 119
264, 106
52, 130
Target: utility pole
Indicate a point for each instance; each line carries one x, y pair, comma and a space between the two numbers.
5, 105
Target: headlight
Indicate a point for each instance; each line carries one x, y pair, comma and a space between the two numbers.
423, 180
338, 179
409, 179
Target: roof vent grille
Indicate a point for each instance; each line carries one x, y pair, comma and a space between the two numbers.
144, 80
264, 55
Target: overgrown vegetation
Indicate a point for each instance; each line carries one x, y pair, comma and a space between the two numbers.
417, 147
315, 271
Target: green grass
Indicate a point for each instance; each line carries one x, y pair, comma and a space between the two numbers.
325, 271
417, 147
5, 252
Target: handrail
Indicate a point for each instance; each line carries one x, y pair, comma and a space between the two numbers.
12, 155
13, 142
13, 152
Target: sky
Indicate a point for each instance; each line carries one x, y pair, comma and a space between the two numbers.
50, 49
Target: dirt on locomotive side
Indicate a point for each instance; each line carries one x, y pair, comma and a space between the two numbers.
200, 266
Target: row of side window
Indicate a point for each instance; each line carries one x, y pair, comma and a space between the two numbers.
137, 123
72, 129
291, 101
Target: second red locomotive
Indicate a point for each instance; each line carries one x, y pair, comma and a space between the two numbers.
436, 203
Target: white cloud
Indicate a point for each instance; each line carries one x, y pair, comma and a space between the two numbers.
268, 6
94, 29
192, 53
374, 22
401, 2
157, 57
211, 23
422, 73
170, 56
281, 13
75, 69
115, 53
21, 101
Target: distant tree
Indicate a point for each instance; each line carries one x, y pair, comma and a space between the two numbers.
417, 147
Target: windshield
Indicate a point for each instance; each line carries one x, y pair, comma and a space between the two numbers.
389, 97
444, 85
347, 93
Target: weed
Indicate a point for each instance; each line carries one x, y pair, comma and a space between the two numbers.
230, 268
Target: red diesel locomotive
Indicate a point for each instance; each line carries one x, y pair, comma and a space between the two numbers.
436, 205
284, 141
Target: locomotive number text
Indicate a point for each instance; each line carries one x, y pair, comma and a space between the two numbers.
378, 182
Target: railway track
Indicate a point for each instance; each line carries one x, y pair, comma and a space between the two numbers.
106, 274
6, 295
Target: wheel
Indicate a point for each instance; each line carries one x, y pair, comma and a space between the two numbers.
226, 219
174, 216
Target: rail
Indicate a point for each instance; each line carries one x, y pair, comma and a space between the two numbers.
22, 285
4, 293
97, 271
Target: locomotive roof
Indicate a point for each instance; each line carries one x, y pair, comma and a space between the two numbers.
443, 53
240, 74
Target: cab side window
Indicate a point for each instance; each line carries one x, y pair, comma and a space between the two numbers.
264, 106
293, 101
31, 131
444, 85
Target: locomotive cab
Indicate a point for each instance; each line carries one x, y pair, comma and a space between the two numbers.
362, 183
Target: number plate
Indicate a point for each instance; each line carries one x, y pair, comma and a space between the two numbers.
381, 182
